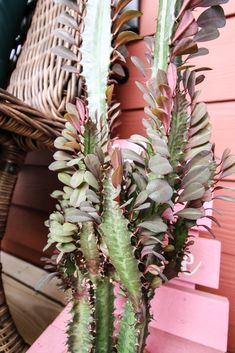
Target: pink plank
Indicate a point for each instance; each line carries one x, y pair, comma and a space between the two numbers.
193, 315
204, 270
62, 319
163, 342
52, 340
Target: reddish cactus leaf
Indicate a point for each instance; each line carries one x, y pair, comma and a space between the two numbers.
214, 16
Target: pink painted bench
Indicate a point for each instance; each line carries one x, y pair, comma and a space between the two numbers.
185, 320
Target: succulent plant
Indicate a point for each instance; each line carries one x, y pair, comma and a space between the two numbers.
123, 218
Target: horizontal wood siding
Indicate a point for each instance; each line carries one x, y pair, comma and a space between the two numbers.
219, 83
26, 234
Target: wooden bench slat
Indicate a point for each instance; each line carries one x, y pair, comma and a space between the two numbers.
163, 342
197, 316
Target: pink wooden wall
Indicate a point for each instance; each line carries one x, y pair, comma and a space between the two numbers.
26, 234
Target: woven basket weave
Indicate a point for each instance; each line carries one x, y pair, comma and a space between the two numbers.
31, 116
38, 78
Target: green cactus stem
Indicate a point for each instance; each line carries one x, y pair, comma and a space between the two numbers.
166, 20
104, 316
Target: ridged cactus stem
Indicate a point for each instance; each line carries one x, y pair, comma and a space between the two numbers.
166, 21
104, 316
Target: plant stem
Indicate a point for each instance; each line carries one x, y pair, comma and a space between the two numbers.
104, 316
144, 327
166, 21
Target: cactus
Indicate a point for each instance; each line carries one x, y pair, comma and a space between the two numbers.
115, 221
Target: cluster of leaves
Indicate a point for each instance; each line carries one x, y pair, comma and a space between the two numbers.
124, 215
178, 157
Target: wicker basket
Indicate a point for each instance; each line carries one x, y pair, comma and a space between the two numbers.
38, 78
31, 116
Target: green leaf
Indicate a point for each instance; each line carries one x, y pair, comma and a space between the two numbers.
66, 248
141, 198
159, 190
203, 158
76, 216
213, 16
62, 156
199, 112
206, 34
60, 144
228, 162
192, 152
191, 213
193, 191
199, 174
61, 239
93, 164
58, 165
204, 122
91, 180
77, 178
200, 138
139, 139
132, 155
144, 206
118, 240
154, 224
126, 37
158, 144
128, 334
140, 181
160, 165
64, 178
78, 195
